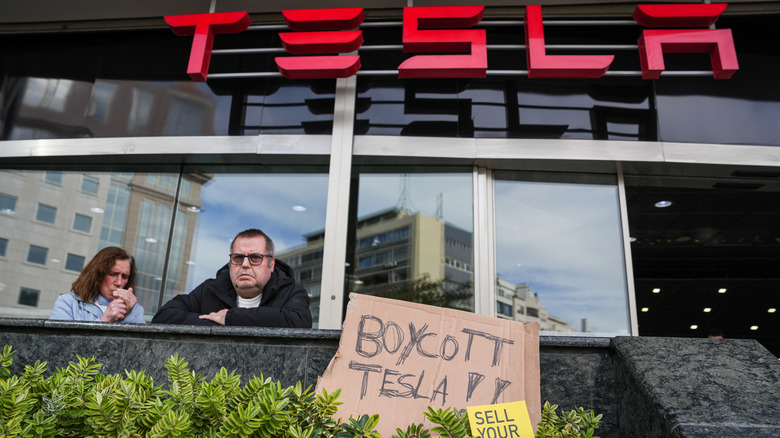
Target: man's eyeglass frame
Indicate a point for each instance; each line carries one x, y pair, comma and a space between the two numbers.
255, 259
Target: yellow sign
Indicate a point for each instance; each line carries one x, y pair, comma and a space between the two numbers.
504, 420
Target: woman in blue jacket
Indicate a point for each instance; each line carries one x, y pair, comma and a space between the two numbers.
103, 291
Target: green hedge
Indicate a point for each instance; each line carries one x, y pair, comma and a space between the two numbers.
79, 401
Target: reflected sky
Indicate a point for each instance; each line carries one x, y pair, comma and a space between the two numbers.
383, 191
272, 203
564, 241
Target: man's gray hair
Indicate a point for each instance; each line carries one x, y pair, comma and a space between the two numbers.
254, 232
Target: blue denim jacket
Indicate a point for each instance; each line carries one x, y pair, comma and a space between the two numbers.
70, 307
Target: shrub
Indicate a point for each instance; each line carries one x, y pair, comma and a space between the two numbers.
79, 401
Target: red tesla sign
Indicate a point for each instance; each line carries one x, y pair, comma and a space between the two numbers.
320, 35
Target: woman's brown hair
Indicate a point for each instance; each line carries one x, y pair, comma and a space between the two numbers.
87, 286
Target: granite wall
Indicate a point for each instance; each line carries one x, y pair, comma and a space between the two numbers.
645, 387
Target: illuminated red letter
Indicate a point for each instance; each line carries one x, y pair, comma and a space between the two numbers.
542, 65
325, 31
204, 26
653, 43
473, 41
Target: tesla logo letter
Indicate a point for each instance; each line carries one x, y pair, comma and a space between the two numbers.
653, 43
472, 41
324, 31
542, 65
203, 27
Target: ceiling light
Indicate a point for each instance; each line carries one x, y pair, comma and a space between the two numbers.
663, 204
299, 208
8, 211
193, 209
754, 327
694, 327
657, 290
55, 260
151, 240
772, 310
707, 309
722, 290
96, 210
632, 239
645, 309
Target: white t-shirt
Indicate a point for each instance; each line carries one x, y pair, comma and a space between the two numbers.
248, 303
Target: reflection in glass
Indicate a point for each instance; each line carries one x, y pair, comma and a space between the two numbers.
603, 109
47, 108
220, 205
125, 108
559, 256
48, 257
412, 239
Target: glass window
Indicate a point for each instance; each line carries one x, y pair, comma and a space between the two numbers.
89, 185
604, 108
406, 226
290, 208
3, 246
46, 213
132, 214
53, 177
28, 296
82, 223
140, 110
7, 204
37, 254
112, 232
559, 251
74, 262
102, 100
705, 254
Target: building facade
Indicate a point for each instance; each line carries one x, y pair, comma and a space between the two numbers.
627, 205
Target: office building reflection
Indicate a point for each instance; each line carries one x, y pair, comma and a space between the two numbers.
413, 256
53, 222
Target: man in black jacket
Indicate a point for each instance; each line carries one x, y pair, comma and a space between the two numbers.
253, 289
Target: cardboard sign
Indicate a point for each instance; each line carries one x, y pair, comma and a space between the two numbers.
505, 420
397, 358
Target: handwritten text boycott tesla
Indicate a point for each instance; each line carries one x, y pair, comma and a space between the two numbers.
425, 349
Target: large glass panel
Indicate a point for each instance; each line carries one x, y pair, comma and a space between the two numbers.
288, 207
559, 253
603, 109
411, 238
706, 253
128, 211
740, 110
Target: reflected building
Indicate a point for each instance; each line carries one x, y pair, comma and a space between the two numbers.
395, 254
61, 108
518, 303
416, 257
54, 222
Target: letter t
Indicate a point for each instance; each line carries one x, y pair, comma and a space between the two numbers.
203, 27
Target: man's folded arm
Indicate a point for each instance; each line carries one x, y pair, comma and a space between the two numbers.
179, 310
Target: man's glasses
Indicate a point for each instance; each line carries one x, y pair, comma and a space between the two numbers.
254, 259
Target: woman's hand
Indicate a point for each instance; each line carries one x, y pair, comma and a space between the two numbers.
122, 304
127, 296
116, 311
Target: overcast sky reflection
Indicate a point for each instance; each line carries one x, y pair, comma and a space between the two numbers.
564, 240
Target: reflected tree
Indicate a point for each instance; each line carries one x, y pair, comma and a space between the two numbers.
424, 290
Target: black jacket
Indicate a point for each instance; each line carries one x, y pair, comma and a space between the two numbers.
284, 303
